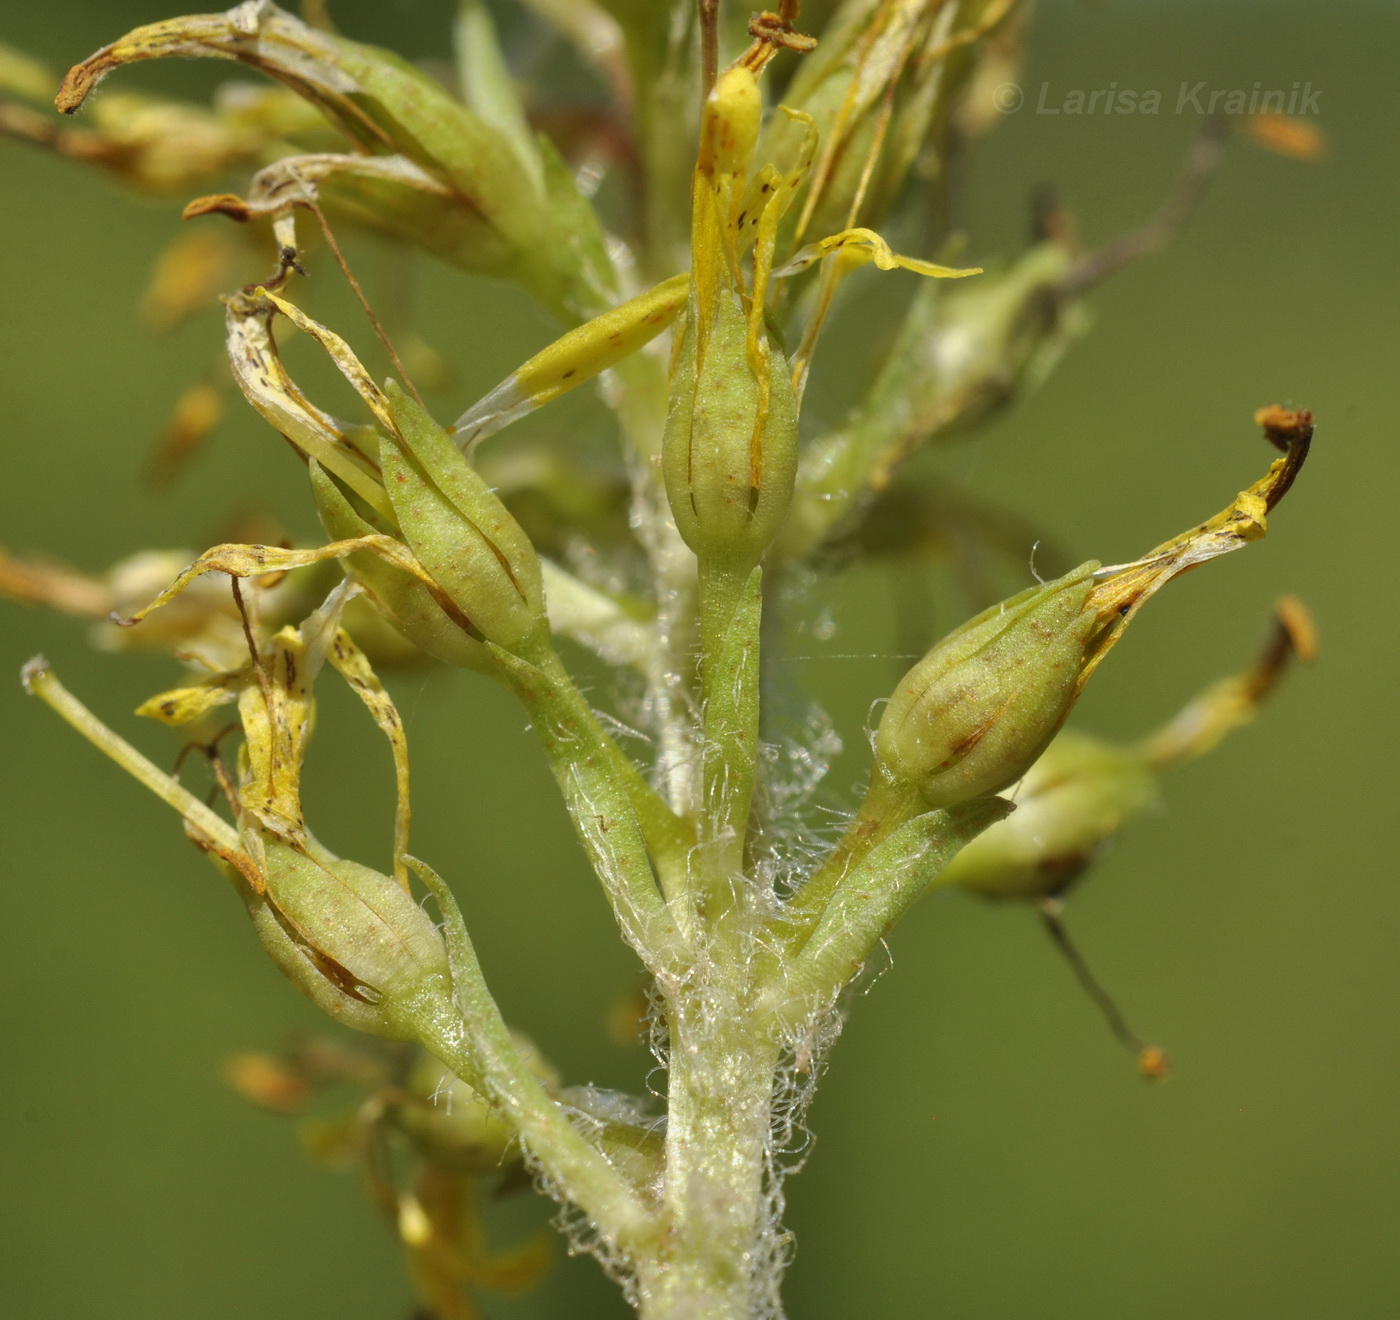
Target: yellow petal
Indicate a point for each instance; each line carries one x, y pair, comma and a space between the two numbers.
867, 245
183, 705
355, 668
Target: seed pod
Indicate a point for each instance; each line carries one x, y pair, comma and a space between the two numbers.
729, 453
975, 712
430, 622
1069, 805
544, 233
351, 940
460, 531
1082, 791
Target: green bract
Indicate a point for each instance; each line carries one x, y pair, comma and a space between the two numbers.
426, 617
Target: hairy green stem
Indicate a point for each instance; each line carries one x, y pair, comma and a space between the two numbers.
731, 608
716, 1258
887, 807
640, 397
480, 1050
870, 898
622, 824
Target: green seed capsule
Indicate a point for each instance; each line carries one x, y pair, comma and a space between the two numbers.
1069, 805
460, 531
421, 617
975, 712
352, 941
729, 453
478, 188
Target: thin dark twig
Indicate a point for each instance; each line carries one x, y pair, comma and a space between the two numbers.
364, 302
254, 652
1202, 162
709, 46
222, 778
1050, 915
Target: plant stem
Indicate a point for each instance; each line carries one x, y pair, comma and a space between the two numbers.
478, 1047
40, 680
616, 813
717, 1259
871, 897
731, 607
886, 808
640, 397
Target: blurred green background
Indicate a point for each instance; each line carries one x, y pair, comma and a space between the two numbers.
984, 1150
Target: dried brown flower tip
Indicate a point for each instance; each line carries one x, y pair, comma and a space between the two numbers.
1285, 426
1288, 135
